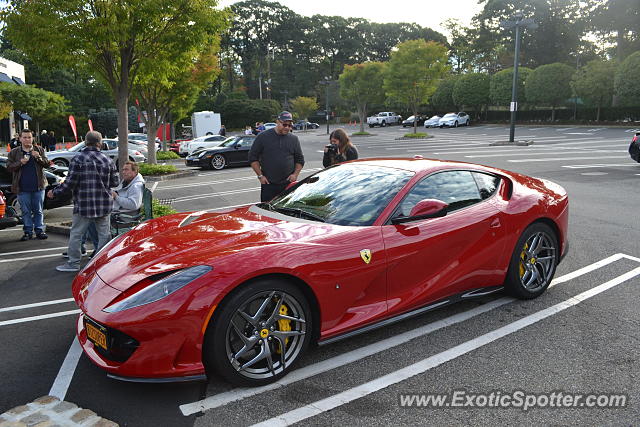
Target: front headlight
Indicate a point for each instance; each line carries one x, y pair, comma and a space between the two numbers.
201, 154
160, 289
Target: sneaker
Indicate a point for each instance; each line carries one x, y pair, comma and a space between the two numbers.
42, 236
67, 267
83, 252
26, 237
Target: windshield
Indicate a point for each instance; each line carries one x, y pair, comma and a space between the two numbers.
434, 117
449, 115
229, 141
348, 194
77, 147
410, 117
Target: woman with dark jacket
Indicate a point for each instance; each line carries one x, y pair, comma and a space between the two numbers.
340, 150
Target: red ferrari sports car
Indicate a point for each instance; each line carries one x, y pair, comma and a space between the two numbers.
355, 246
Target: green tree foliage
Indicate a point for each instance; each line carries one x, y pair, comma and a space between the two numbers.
413, 72
117, 41
472, 90
502, 85
442, 98
238, 113
549, 85
594, 83
361, 84
105, 120
304, 106
38, 103
627, 81
617, 22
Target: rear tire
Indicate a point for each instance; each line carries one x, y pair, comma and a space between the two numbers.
383, 124
245, 341
61, 162
533, 262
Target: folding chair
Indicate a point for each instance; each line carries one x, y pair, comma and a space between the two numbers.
121, 222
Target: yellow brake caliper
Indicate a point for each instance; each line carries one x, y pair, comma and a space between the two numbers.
523, 257
284, 324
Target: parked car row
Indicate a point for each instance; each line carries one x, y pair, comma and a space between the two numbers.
63, 157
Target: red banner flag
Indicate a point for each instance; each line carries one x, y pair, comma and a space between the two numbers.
72, 122
90, 124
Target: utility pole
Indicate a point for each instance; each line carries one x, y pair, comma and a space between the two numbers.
518, 23
326, 82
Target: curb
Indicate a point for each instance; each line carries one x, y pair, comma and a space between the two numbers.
154, 178
517, 143
51, 411
59, 228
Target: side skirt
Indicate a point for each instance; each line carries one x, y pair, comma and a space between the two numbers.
444, 302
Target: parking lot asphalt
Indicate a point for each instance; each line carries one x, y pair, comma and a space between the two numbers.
581, 337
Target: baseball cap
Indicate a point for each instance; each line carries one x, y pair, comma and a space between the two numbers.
285, 116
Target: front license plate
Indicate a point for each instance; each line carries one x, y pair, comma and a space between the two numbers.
95, 335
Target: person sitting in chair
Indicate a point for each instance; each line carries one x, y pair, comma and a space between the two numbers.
127, 197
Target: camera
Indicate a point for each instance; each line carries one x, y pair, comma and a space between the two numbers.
332, 148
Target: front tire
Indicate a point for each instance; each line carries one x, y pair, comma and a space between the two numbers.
533, 262
61, 162
259, 334
218, 162
383, 124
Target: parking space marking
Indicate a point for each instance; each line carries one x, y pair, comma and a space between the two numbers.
538, 151
205, 196
599, 165
33, 250
36, 304
29, 258
68, 368
41, 317
347, 396
234, 395
559, 159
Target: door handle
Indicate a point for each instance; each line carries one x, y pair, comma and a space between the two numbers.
495, 223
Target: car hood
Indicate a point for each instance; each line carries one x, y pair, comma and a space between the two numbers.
199, 238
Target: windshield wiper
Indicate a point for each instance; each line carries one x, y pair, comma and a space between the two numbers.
265, 205
301, 213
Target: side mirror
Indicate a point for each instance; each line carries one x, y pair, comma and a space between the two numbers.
427, 208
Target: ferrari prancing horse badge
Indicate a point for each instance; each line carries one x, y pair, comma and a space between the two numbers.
365, 254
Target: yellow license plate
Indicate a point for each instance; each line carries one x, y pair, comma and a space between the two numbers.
96, 336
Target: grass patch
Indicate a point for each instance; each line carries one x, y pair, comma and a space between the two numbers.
166, 155
160, 209
416, 135
146, 169
360, 134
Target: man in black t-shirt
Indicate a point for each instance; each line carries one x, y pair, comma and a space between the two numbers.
276, 157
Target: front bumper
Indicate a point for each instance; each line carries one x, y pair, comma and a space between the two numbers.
196, 161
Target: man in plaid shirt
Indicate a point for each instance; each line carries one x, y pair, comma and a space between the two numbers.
91, 176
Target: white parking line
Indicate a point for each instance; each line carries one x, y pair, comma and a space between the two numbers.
425, 365
383, 345
41, 317
33, 250
65, 374
205, 196
545, 153
600, 165
36, 304
559, 159
29, 258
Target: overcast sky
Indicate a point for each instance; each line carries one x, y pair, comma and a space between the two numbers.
426, 13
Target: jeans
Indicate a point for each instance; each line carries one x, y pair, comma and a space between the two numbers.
31, 203
92, 235
79, 226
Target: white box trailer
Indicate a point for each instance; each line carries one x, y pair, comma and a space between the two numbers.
205, 122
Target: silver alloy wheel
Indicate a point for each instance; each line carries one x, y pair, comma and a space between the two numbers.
15, 204
218, 162
265, 335
537, 261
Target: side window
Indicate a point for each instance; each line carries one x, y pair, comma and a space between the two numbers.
247, 142
487, 184
457, 188
112, 145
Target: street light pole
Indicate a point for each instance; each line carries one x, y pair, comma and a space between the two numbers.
519, 22
326, 82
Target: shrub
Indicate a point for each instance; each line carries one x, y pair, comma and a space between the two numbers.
146, 169
417, 135
166, 155
160, 209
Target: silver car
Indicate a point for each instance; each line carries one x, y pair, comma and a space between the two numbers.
63, 157
433, 122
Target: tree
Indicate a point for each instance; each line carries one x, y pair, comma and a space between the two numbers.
502, 85
177, 92
627, 81
617, 22
472, 90
39, 103
594, 83
304, 106
442, 98
413, 72
549, 85
113, 40
361, 84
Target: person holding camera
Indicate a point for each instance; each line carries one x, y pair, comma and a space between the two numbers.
339, 150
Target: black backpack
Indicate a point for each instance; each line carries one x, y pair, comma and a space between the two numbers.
634, 147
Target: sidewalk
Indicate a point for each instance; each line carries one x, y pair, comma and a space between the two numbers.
49, 411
